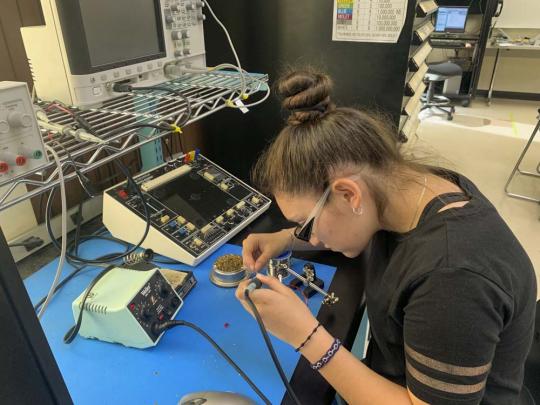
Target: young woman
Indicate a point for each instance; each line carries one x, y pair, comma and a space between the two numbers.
450, 292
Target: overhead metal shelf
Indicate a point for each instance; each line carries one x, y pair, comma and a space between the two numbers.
207, 92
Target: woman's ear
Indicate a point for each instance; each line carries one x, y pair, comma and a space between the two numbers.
348, 191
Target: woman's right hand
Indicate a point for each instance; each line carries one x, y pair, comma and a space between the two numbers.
259, 248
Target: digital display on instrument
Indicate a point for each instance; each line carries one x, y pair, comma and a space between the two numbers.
120, 30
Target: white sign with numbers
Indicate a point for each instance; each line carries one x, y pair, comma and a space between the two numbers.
368, 20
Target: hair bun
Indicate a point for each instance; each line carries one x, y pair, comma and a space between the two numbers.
306, 94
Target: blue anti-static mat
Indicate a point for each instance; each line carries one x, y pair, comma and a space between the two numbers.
104, 373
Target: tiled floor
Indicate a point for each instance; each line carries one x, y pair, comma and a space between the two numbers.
484, 143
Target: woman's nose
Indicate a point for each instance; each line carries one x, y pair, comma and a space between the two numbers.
314, 240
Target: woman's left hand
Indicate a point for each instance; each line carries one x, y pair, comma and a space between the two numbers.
282, 311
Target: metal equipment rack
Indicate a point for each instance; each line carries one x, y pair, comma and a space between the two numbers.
207, 92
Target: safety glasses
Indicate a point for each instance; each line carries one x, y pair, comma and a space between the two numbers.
303, 232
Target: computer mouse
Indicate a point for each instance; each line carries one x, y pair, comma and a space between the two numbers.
215, 398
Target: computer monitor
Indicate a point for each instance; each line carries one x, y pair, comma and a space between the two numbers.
86, 46
451, 19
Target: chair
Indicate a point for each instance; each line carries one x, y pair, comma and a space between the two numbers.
439, 72
532, 365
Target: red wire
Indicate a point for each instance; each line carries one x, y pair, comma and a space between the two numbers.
300, 291
59, 107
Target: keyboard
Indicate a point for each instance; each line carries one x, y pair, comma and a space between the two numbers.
463, 37
451, 43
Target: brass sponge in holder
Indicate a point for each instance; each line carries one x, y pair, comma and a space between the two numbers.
228, 271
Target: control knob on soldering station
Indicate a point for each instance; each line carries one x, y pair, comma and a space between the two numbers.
163, 292
146, 314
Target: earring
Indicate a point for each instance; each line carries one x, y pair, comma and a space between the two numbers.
357, 211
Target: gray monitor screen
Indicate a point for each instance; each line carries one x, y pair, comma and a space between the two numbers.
120, 30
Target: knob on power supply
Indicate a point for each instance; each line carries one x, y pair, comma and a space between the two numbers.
18, 119
4, 167
30, 153
13, 159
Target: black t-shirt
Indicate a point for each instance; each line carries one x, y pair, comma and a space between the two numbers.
451, 303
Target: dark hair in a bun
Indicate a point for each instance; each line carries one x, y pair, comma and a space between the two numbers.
306, 94
319, 140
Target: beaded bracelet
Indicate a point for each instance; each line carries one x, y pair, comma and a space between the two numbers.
327, 356
309, 337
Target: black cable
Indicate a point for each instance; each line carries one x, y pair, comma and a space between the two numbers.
86, 238
29, 243
271, 348
169, 151
74, 330
78, 269
84, 181
74, 257
79, 220
158, 329
84, 124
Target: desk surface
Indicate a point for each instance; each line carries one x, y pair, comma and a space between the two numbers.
341, 320
524, 47
182, 362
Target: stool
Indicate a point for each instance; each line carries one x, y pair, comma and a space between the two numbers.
439, 72
517, 168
